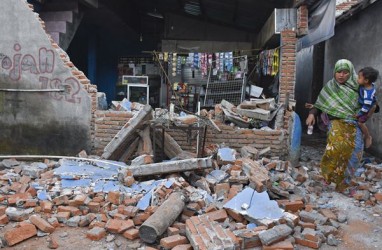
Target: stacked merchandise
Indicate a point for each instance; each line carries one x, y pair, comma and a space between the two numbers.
268, 62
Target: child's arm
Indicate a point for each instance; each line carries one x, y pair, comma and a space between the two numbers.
368, 102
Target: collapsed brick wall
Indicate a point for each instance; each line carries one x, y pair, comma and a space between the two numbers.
287, 64
237, 138
107, 125
302, 20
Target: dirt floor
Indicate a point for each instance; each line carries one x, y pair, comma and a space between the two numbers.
364, 226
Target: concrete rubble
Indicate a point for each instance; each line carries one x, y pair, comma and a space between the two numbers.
220, 202
229, 199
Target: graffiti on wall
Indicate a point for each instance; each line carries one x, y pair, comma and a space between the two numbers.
18, 65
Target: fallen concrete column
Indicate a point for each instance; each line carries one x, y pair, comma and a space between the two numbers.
165, 215
115, 149
167, 167
171, 147
130, 150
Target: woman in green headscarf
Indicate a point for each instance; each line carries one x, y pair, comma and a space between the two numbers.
339, 100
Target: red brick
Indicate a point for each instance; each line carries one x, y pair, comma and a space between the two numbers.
172, 231
41, 224
194, 206
79, 200
151, 209
72, 210
94, 207
211, 208
13, 199
61, 200
130, 211
283, 245
130, 202
222, 189
172, 241
4, 219
46, 206
140, 218
19, 234
30, 203
114, 197
188, 212
231, 235
200, 243
310, 234
308, 243
236, 216
96, 233
62, 216
16, 186
307, 225
54, 222
293, 206
183, 247
118, 226
219, 215
328, 213
131, 234
32, 191
378, 196
119, 216
181, 226
309, 207
25, 179
98, 199
96, 223
2, 210
233, 191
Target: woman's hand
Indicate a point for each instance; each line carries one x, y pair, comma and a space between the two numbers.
308, 105
311, 120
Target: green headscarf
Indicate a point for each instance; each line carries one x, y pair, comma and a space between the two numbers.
340, 100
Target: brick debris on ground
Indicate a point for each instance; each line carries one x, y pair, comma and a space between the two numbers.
33, 199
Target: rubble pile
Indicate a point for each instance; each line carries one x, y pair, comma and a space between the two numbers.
256, 113
231, 201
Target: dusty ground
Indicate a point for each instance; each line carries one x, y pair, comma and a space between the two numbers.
362, 230
364, 226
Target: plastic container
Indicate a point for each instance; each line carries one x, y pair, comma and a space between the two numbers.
310, 130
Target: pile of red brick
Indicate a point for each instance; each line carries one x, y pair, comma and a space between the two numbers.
203, 224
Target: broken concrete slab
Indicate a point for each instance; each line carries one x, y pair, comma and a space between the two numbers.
226, 156
254, 205
34, 170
